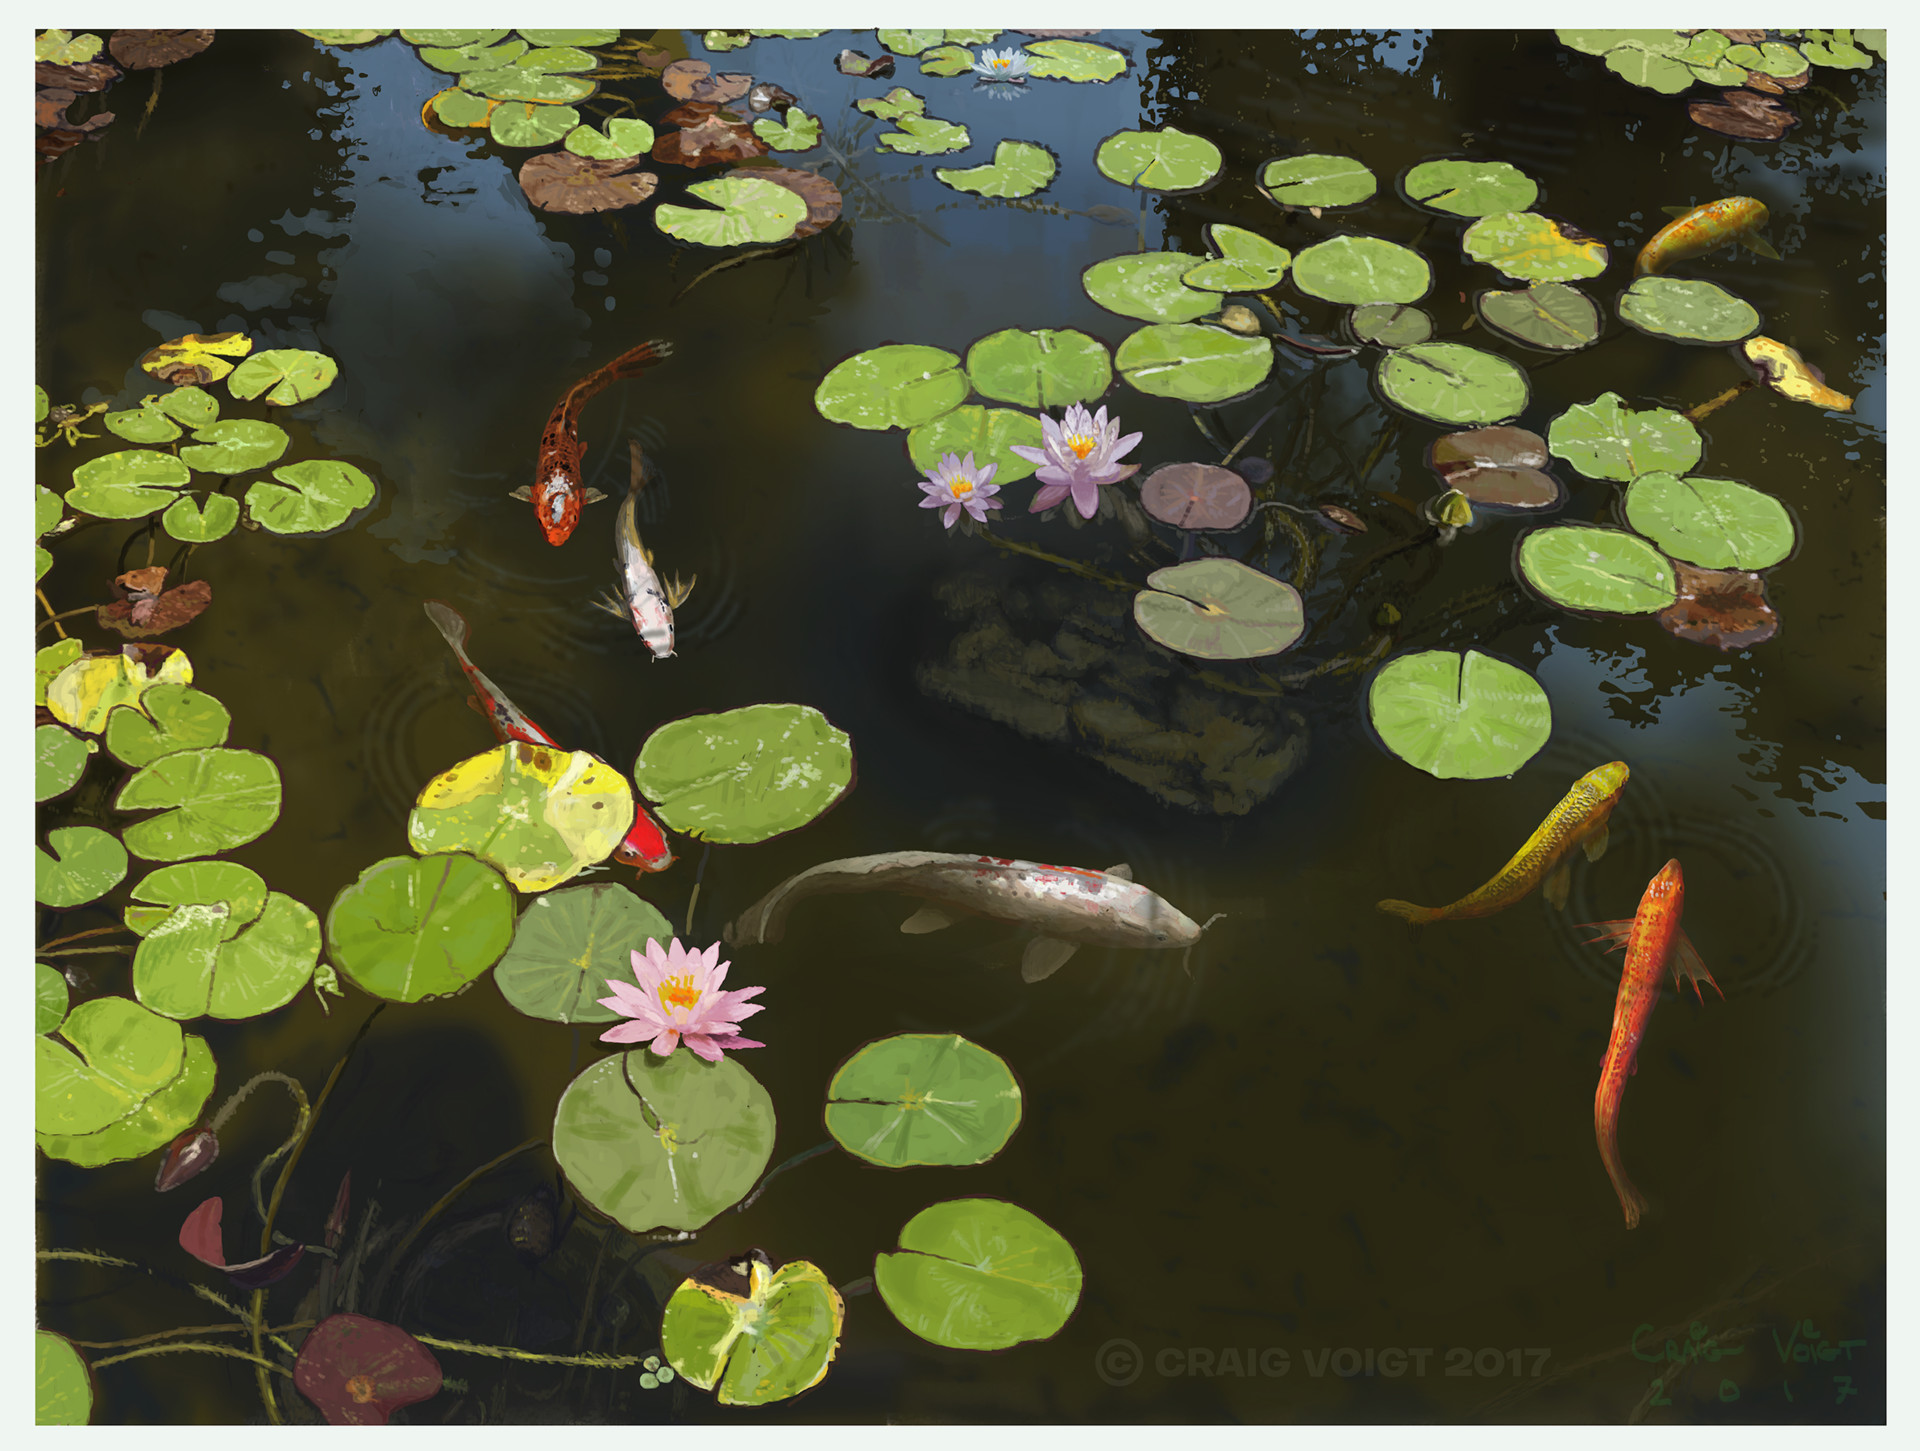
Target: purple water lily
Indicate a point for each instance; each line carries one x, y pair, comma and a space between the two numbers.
957, 484
1079, 458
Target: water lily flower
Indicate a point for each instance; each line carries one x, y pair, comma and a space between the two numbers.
1079, 458
679, 997
958, 484
1010, 64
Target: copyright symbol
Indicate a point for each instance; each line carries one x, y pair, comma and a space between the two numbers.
1118, 1362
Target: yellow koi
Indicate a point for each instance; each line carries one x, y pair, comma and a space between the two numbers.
1733, 219
1579, 820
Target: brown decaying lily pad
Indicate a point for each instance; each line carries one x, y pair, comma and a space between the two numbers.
358, 1371
1504, 468
1745, 37
713, 142
1341, 521
146, 608
559, 181
93, 75
145, 50
1724, 607
855, 63
693, 80
694, 112
50, 107
1196, 496
822, 197
1745, 114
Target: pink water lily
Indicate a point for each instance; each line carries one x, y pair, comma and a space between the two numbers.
958, 484
1079, 457
679, 997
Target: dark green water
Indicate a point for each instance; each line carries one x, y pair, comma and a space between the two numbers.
1337, 1134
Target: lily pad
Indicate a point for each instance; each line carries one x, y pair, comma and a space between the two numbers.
1605, 439
822, 197
1196, 496
116, 1056
1453, 383
515, 83
1780, 368
571, 37
1075, 60
896, 103
797, 132
1689, 312
751, 210
1531, 248
1389, 324
1148, 285
47, 511
541, 815
768, 1342
1044, 368
188, 964
211, 800
196, 358
1548, 315
1713, 523
62, 1384
923, 1098
450, 38
49, 998
1362, 269
203, 520
555, 59
745, 775
1463, 188
86, 690
946, 60
1585, 567
58, 47
146, 609
558, 181
169, 718
460, 58
663, 1143
1744, 113
240, 893
1193, 363
312, 495
979, 1274
896, 385
623, 137
1459, 716
85, 863
926, 136
285, 375
59, 760
1726, 608
526, 123
1316, 181
987, 433
50, 663
127, 485
569, 944
909, 42
412, 928
234, 445
462, 109
1837, 49
1167, 160
145, 424
1219, 609
346, 37
1018, 168
1501, 468
153, 1124
1248, 262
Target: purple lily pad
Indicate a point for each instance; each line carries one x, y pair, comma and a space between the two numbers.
1501, 468
358, 1371
1196, 496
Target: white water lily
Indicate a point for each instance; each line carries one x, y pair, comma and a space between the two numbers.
1010, 64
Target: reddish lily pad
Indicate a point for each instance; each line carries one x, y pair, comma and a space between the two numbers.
1504, 468
715, 141
822, 197
1723, 607
358, 1371
1196, 496
693, 80
201, 1237
145, 608
1745, 114
145, 50
560, 181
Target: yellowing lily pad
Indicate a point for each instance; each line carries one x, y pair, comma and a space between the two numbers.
1789, 375
86, 690
769, 1342
923, 1098
285, 375
1531, 248
1219, 609
413, 928
1459, 716
49, 662
541, 815
196, 358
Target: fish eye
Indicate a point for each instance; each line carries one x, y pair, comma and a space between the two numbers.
1159, 937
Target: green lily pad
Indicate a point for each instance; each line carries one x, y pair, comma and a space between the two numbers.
169, 718
569, 944
923, 1098
986, 433
1770, 58
1193, 363
1469, 188
1248, 262
767, 1345
956, 37
1074, 60
926, 136
1389, 324
1018, 168
189, 964
1044, 368
1362, 269
47, 510
515, 83
725, 40
1459, 716
897, 385
979, 1274
1585, 567
42, 562
571, 37
1833, 50
195, 407
622, 138
460, 58
145, 424
212, 800
1662, 73
50, 662
1148, 285
203, 520
285, 375
542, 816
663, 1143
85, 863
1531, 248
238, 891
346, 37
413, 928
150, 1126
59, 760
751, 210
946, 60
1689, 312
896, 103
128, 485
463, 109
1316, 181
452, 38
116, 1056
798, 132
1219, 609
909, 42
556, 59
1714, 523
525, 123
1167, 160
312, 495
1452, 383
42, 406
49, 998
1548, 315
1605, 439
62, 1384
234, 445
745, 775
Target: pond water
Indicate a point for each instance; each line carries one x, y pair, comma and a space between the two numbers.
1343, 1170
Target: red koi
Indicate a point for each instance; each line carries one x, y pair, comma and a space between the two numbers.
1654, 942
556, 492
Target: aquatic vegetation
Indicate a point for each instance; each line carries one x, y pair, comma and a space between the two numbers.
752, 1334
1459, 715
1503, 468
1550, 316
1074, 60
358, 1371
1080, 456
1018, 169
1196, 496
568, 943
1688, 312
679, 998
1726, 608
979, 1274
795, 131
1714, 523
1219, 609
745, 775
413, 928
1166, 160
1315, 182
1791, 376
746, 209
923, 1099
1591, 567
956, 484
1002, 65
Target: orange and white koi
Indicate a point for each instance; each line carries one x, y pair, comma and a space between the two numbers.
643, 600
556, 493
1579, 820
1654, 941
1729, 221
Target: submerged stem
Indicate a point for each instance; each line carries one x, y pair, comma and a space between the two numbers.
1085, 571
798, 1159
504, 1352
261, 1361
55, 619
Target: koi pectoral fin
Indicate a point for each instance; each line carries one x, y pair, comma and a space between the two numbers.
1688, 968
524, 494
594, 496
1595, 846
927, 919
1044, 957
677, 592
605, 602
1760, 245
1613, 933
1559, 882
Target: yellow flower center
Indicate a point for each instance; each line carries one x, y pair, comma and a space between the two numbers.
361, 1389
1080, 444
679, 992
961, 488
1001, 62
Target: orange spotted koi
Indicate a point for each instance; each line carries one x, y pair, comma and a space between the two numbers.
1703, 229
556, 493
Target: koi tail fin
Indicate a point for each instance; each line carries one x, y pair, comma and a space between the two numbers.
630, 363
1413, 914
1689, 969
451, 624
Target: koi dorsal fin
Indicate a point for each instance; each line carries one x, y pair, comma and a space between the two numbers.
1121, 870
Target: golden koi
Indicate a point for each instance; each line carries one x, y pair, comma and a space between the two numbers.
1579, 820
1733, 219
